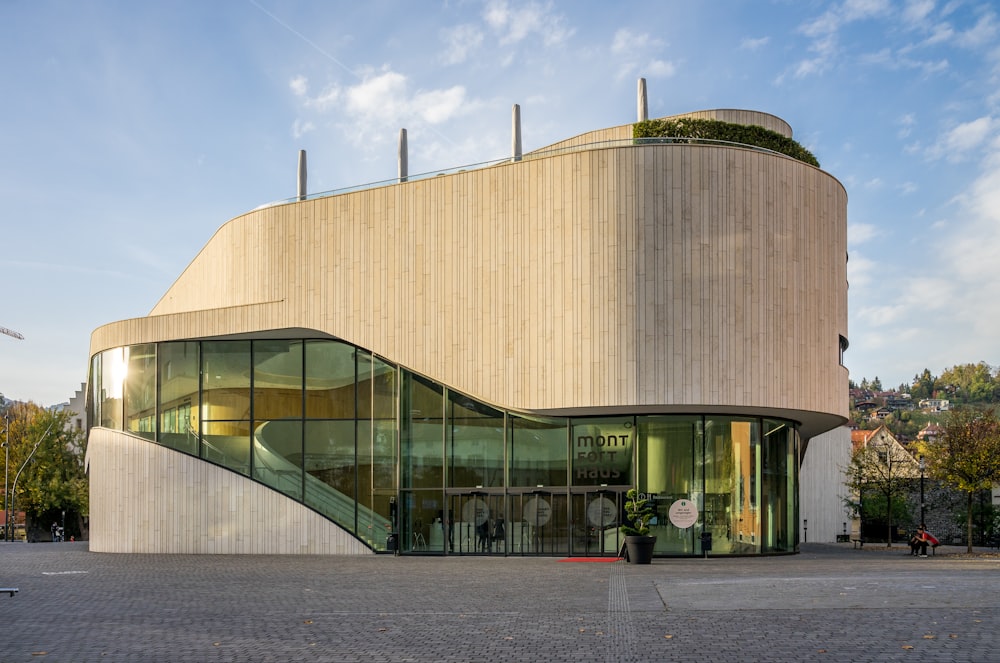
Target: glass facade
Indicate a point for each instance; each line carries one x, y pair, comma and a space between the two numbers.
378, 449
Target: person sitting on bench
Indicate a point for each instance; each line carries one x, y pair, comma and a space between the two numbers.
918, 542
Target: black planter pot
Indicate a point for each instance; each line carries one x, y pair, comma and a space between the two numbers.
639, 549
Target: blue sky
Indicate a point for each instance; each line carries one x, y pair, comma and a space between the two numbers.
130, 131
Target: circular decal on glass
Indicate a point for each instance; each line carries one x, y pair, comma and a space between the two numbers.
683, 513
537, 511
475, 511
602, 512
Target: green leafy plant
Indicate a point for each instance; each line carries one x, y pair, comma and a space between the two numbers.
638, 512
746, 134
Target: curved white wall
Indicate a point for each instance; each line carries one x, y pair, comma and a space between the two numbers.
146, 498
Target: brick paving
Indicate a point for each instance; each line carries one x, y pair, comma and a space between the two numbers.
830, 603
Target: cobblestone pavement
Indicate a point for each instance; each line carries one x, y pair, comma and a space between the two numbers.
830, 603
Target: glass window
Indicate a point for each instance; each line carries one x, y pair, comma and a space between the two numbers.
225, 407
666, 472
331, 484
277, 456
225, 380
778, 489
330, 380
731, 482
475, 449
538, 452
227, 443
422, 435
140, 391
602, 451
177, 373
277, 379
113, 369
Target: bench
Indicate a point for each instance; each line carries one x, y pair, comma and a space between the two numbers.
858, 543
8, 590
843, 538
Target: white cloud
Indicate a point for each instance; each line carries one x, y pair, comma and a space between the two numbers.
958, 143
860, 233
299, 86
460, 41
660, 69
626, 42
514, 24
983, 33
917, 11
301, 128
750, 44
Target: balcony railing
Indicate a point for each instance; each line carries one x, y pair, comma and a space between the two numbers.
585, 147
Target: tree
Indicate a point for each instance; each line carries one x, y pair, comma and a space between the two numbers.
966, 455
46, 458
971, 383
879, 473
923, 385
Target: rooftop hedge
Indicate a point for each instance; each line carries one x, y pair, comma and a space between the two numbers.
746, 134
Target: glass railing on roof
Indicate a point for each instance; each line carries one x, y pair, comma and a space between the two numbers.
583, 147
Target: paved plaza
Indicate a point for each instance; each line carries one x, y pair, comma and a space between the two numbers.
830, 603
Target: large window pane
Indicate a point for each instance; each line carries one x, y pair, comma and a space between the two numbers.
227, 443
731, 483
277, 456
778, 503
226, 380
140, 391
330, 380
475, 449
538, 451
277, 379
602, 451
177, 372
666, 472
421, 444
330, 463
113, 369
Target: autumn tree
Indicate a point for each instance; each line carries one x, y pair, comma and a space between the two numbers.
46, 464
966, 455
879, 475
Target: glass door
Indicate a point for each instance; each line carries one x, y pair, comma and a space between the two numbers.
538, 524
596, 517
476, 524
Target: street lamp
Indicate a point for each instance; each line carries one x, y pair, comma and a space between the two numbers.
922, 467
6, 464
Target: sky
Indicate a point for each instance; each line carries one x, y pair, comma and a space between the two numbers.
131, 131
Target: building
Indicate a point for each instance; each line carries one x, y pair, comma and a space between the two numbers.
484, 361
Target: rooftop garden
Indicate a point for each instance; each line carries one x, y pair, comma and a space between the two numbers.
716, 130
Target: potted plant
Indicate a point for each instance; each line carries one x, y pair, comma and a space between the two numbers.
638, 514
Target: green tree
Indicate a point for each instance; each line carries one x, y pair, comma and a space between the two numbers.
46, 459
967, 455
923, 385
971, 383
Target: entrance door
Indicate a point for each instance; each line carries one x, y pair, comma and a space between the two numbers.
538, 524
476, 524
596, 516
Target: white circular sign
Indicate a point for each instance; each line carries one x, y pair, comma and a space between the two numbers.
537, 511
602, 512
475, 511
683, 513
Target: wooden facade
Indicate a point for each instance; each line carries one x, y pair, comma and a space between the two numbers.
607, 278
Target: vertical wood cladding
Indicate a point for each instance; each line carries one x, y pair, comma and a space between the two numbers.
659, 276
